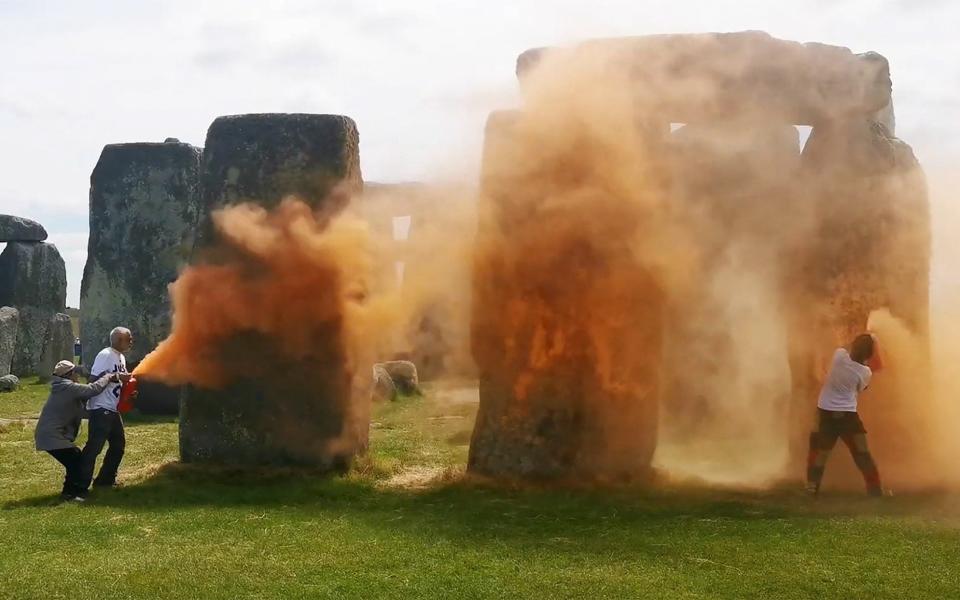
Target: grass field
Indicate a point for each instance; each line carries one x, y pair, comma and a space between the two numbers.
406, 523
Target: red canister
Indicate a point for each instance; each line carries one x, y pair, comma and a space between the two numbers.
126, 396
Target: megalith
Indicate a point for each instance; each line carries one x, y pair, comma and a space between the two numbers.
737, 185
33, 279
57, 345
19, 229
566, 325
9, 327
306, 416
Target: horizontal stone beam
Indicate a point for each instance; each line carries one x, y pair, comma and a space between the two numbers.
699, 77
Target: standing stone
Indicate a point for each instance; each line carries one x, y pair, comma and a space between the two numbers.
303, 413
57, 346
9, 325
144, 209
566, 326
33, 278
144, 212
263, 158
18, 229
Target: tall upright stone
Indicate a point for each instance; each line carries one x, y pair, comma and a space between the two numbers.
57, 345
144, 210
305, 413
9, 326
263, 158
33, 279
566, 324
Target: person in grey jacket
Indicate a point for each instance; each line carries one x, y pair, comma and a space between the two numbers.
59, 423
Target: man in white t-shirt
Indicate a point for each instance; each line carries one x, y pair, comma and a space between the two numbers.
837, 414
106, 424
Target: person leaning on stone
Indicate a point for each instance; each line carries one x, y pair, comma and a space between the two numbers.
59, 423
106, 425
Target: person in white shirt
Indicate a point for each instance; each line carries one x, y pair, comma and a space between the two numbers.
106, 424
837, 414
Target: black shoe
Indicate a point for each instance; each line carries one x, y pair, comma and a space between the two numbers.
106, 486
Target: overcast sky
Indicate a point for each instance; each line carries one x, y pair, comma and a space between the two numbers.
418, 76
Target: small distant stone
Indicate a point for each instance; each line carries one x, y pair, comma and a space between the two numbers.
171, 141
9, 383
395, 376
18, 229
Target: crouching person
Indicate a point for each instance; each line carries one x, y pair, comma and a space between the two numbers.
59, 423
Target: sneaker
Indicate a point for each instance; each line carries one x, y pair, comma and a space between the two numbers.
812, 489
78, 499
71, 498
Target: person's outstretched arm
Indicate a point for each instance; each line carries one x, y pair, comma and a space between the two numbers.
85, 391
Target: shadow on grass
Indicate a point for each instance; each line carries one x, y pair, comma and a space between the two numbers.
472, 504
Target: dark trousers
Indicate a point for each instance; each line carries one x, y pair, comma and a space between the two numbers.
71, 459
848, 427
106, 427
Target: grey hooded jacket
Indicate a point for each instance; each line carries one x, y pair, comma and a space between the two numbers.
60, 418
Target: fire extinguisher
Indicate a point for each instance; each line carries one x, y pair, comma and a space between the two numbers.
127, 390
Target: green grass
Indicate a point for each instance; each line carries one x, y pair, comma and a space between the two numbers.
406, 523
26, 401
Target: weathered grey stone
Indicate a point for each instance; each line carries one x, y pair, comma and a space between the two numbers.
144, 210
710, 76
9, 326
384, 390
276, 410
18, 229
33, 279
57, 345
404, 375
9, 383
33, 274
264, 158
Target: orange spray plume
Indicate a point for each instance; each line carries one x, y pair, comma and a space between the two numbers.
288, 275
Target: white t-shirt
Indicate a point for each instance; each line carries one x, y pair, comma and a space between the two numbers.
846, 379
107, 361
